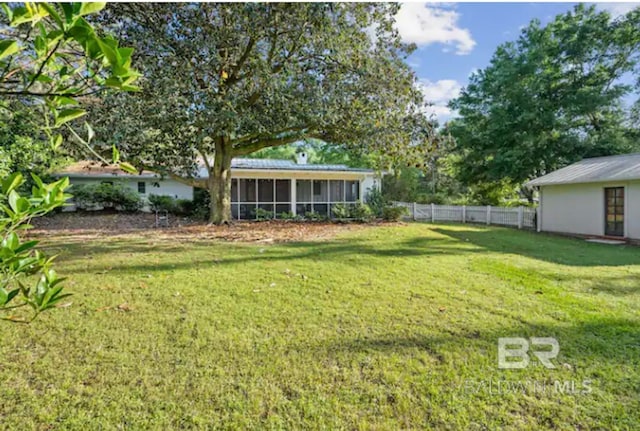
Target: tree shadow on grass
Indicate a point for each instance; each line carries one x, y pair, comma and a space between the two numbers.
549, 248
224, 254
590, 343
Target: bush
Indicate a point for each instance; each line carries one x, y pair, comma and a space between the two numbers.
200, 204
262, 214
393, 213
341, 211
362, 212
106, 195
184, 207
315, 216
162, 203
287, 215
376, 200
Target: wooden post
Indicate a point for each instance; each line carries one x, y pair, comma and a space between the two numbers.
413, 211
520, 216
488, 214
464, 213
433, 213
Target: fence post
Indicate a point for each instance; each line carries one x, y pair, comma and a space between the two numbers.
538, 218
413, 211
433, 213
464, 213
520, 217
488, 214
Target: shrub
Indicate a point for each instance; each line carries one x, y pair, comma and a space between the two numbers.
184, 207
262, 214
377, 201
162, 203
315, 216
106, 195
362, 212
201, 204
393, 213
341, 211
287, 215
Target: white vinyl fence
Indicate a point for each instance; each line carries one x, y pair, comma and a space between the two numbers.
520, 217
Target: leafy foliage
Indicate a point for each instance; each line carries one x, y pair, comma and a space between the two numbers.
49, 56
106, 195
393, 213
238, 78
548, 99
27, 278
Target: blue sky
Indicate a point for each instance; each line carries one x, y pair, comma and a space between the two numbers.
455, 39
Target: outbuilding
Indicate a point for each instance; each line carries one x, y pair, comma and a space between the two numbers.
594, 197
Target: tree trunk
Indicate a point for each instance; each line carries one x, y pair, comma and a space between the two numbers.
220, 183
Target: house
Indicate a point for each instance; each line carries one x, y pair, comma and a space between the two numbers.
277, 186
594, 197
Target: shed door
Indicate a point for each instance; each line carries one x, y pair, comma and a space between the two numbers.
614, 211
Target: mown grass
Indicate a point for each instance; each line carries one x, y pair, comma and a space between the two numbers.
385, 328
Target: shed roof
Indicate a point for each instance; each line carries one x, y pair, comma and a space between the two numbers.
624, 167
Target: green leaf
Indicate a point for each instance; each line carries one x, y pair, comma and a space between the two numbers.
67, 115
8, 47
128, 168
115, 156
10, 183
89, 8
52, 11
57, 141
4, 296
11, 241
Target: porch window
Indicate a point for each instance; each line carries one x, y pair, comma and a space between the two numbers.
142, 187
247, 195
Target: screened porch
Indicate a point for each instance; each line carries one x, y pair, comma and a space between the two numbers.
295, 196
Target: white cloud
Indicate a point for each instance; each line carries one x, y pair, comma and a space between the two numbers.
439, 93
618, 9
425, 24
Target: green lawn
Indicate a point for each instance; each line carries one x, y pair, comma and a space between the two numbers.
382, 328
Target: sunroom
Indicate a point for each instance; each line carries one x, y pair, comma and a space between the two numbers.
291, 196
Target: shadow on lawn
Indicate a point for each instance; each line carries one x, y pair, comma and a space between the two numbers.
554, 249
586, 344
204, 254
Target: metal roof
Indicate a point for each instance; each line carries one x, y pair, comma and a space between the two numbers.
97, 170
624, 167
277, 165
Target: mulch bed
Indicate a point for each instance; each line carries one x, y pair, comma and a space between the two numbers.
86, 226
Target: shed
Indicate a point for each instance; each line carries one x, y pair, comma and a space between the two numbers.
593, 197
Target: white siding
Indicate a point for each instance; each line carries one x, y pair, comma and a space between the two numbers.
370, 182
579, 208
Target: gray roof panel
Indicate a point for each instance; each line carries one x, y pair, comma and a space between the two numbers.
624, 167
275, 164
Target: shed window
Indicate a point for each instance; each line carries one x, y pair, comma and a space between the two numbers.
142, 187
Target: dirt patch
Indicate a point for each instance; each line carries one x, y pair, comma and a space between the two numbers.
86, 226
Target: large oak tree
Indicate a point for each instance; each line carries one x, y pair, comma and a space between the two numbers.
550, 98
226, 80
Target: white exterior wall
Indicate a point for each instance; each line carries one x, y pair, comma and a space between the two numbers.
166, 187
579, 208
